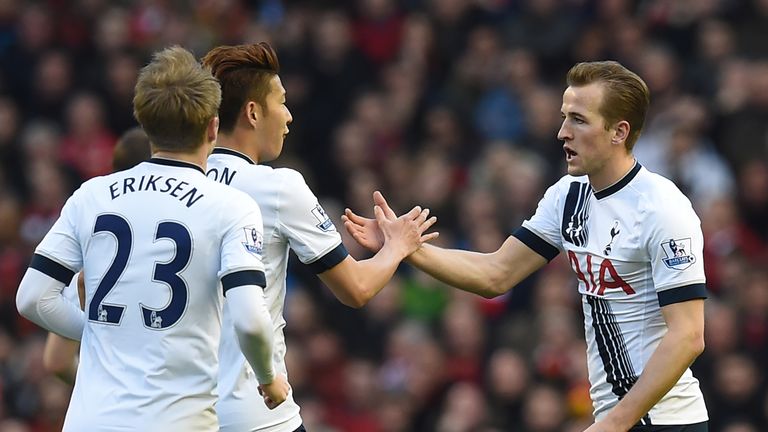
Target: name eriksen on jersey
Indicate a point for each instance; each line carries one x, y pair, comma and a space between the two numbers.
170, 185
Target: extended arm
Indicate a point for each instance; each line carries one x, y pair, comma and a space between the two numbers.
679, 347
486, 274
354, 282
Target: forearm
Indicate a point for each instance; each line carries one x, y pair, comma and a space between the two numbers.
39, 300
373, 274
253, 326
474, 272
59, 357
667, 364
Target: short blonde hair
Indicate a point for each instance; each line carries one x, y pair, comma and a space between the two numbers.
175, 99
625, 95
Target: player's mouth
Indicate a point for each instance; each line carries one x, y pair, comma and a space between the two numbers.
569, 153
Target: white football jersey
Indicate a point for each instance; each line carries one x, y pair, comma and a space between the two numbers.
153, 241
293, 219
635, 247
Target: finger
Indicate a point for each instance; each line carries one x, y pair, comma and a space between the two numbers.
414, 213
352, 227
427, 223
379, 213
422, 216
358, 236
379, 200
261, 391
354, 217
429, 237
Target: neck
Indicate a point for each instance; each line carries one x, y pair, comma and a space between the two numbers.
612, 172
198, 157
239, 142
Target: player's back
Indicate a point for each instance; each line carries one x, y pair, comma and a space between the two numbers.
152, 242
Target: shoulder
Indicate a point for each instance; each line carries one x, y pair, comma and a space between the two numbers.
228, 194
289, 176
563, 185
659, 191
661, 199
94, 186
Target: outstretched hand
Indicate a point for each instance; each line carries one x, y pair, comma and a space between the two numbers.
406, 231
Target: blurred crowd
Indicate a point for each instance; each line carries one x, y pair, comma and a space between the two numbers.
450, 104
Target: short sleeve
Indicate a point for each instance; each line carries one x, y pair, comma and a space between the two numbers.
242, 247
59, 254
542, 231
308, 228
675, 247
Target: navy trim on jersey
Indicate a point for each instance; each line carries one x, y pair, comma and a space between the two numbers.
228, 151
329, 260
697, 427
243, 277
576, 213
619, 184
681, 294
51, 268
175, 163
613, 350
533, 241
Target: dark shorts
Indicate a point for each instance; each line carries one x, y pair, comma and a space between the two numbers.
698, 427
300, 429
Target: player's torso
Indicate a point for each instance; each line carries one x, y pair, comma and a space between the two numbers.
151, 241
606, 240
240, 406
604, 243
263, 185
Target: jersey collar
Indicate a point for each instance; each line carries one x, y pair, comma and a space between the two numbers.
612, 189
228, 151
176, 163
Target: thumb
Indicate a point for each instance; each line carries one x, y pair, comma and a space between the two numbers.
379, 213
378, 199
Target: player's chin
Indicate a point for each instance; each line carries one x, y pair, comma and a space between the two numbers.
575, 169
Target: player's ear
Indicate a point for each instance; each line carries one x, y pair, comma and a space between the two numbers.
212, 131
252, 113
620, 132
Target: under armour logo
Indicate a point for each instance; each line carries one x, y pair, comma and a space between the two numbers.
573, 230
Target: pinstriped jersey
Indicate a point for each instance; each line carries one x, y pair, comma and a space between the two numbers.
293, 219
635, 247
153, 242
